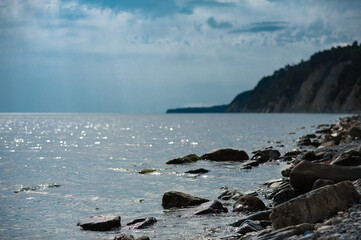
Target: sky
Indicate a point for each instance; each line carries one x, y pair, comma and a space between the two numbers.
146, 56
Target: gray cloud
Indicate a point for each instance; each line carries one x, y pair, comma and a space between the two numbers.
256, 27
213, 23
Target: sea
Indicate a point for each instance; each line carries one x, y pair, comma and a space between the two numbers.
57, 169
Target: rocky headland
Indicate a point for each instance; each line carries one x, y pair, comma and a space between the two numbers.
318, 197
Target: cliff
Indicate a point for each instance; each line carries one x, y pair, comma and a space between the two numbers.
330, 81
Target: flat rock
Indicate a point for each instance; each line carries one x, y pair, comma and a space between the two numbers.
214, 207
142, 223
191, 158
223, 155
304, 174
100, 223
315, 205
174, 199
198, 171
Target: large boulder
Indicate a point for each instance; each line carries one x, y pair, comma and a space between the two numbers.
303, 175
223, 155
174, 199
191, 158
348, 158
105, 222
248, 203
214, 207
355, 132
315, 205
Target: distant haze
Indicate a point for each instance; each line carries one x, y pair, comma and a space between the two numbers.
151, 55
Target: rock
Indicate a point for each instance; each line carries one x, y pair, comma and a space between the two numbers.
142, 223
287, 232
124, 236
315, 205
321, 183
283, 196
143, 238
198, 171
249, 226
100, 223
348, 158
174, 199
191, 158
146, 171
227, 154
214, 207
355, 132
248, 203
309, 156
292, 153
230, 194
286, 172
306, 141
304, 174
261, 215
250, 164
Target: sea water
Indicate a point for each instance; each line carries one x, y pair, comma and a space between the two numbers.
56, 169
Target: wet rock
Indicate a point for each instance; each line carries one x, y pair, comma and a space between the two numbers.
315, 205
355, 132
142, 223
146, 171
349, 158
191, 158
248, 203
124, 236
36, 188
321, 183
292, 153
105, 222
261, 215
214, 207
283, 196
230, 194
266, 155
227, 154
287, 232
250, 164
198, 171
249, 226
306, 141
304, 174
286, 172
174, 199
325, 130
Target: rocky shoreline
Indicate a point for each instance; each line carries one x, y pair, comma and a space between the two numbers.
319, 196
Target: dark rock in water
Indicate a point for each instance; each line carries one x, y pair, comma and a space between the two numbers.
249, 226
315, 205
38, 187
174, 199
142, 223
191, 158
349, 158
146, 171
292, 154
248, 203
304, 174
266, 155
223, 155
305, 141
124, 236
198, 171
286, 172
355, 132
100, 223
143, 238
286, 233
250, 164
309, 156
230, 194
214, 207
283, 196
321, 183
261, 215
325, 130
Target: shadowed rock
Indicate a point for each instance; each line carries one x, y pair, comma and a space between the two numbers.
100, 223
304, 174
198, 171
262, 215
315, 205
223, 155
174, 199
321, 183
349, 158
355, 132
214, 207
191, 158
248, 203
286, 233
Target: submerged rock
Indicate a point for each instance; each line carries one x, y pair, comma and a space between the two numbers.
36, 188
105, 222
142, 223
174, 199
304, 174
191, 158
248, 203
146, 171
198, 171
223, 155
315, 205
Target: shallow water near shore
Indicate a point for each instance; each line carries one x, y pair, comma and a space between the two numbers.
56, 169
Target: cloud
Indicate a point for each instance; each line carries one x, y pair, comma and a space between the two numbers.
218, 24
256, 27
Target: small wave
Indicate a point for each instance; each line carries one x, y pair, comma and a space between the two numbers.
35, 188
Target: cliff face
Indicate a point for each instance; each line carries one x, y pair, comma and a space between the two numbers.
329, 82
